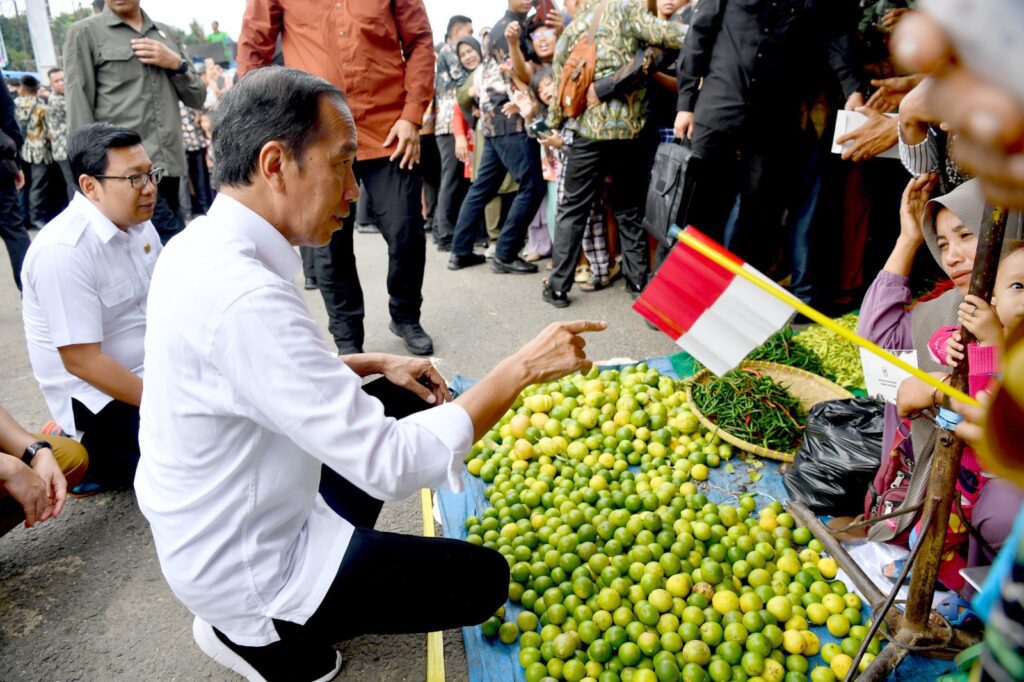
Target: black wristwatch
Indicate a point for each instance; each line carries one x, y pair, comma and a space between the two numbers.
31, 450
182, 68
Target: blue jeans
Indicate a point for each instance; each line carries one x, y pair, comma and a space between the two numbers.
516, 154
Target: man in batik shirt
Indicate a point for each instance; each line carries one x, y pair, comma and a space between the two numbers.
454, 184
30, 112
57, 130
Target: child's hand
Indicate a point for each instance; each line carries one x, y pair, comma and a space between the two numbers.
954, 350
979, 318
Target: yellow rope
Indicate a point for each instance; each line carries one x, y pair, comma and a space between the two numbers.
435, 642
823, 320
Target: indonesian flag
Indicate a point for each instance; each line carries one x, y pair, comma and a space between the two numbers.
714, 315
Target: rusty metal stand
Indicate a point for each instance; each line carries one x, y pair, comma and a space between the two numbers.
918, 629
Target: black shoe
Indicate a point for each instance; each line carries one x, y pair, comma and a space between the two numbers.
417, 341
367, 229
515, 267
349, 349
559, 299
310, 283
457, 261
634, 292
444, 247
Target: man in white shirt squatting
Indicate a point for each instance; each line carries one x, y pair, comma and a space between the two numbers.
265, 461
86, 278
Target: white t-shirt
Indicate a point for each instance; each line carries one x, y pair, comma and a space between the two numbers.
85, 281
244, 402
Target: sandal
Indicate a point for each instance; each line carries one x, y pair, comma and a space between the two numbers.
892, 571
595, 284
582, 274
957, 611
87, 489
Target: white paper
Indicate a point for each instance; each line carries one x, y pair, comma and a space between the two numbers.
872, 557
882, 378
847, 122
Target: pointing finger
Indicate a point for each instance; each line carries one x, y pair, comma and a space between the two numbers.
581, 326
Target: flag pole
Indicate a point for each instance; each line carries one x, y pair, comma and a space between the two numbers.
823, 320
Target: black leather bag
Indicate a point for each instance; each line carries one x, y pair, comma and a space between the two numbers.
671, 189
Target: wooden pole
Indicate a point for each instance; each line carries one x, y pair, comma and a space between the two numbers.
949, 448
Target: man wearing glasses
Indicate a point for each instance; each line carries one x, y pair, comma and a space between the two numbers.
86, 278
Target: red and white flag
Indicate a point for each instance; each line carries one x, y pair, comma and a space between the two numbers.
713, 314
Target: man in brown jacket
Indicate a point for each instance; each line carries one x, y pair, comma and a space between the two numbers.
380, 53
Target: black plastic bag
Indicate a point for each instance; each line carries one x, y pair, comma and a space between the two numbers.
841, 452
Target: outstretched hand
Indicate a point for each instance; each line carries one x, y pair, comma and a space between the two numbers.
558, 350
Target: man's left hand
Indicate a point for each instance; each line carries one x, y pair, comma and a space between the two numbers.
408, 137
876, 135
412, 374
155, 53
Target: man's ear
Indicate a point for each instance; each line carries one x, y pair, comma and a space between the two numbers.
272, 163
90, 186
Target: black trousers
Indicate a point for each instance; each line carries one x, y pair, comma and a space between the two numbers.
33, 195
454, 185
757, 166
387, 583
111, 437
394, 198
70, 183
308, 254
167, 213
12, 227
430, 169
588, 162
199, 176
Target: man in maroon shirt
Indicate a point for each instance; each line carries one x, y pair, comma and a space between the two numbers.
381, 54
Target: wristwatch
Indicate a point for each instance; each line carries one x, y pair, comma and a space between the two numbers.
182, 68
31, 451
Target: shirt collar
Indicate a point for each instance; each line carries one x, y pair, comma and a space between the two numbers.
104, 228
272, 249
113, 20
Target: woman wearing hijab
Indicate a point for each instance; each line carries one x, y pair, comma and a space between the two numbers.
948, 226
469, 141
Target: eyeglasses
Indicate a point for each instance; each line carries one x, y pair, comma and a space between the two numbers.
543, 33
138, 180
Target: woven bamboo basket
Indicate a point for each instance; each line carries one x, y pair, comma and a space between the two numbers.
809, 388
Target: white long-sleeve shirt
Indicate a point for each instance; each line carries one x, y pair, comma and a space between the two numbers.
85, 281
243, 403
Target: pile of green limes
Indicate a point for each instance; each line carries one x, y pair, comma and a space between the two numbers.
621, 569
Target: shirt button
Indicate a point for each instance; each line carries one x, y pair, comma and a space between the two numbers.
760, 54
765, 31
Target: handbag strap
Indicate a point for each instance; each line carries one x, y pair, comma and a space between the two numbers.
598, 14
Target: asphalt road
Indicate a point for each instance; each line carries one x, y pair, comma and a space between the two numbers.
82, 597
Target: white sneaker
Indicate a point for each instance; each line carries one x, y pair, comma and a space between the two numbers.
212, 646
489, 253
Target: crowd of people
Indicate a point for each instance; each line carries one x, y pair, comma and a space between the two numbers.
481, 142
